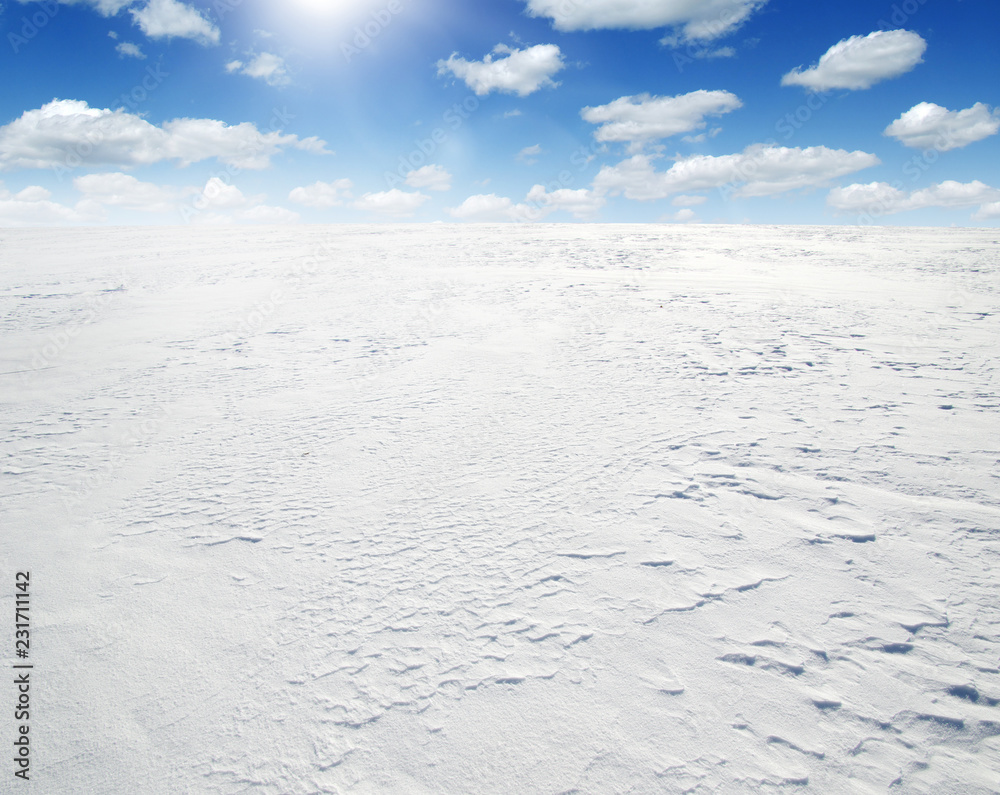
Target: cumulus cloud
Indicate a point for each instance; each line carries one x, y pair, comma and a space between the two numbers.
268, 67
431, 177
167, 19
125, 191
323, 195
988, 212
862, 61
520, 72
697, 20
222, 203
33, 193
485, 207
538, 204
929, 126
17, 212
156, 18
684, 216
881, 198
216, 202
242, 145
127, 49
581, 203
220, 195
860, 197
392, 202
644, 117
760, 170
68, 133
32, 206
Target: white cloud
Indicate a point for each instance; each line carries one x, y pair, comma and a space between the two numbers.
988, 212
862, 61
702, 137
684, 216
717, 52
485, 207
954, 194
760, 170
392, 202
267, 67
511, 113
123, 190
862, 197
241, 145
529, 154
431, 177
644, 117
701, 20
582, 203
31, 207
323, 195
33, 193
170, 18
880, 198
68, 133
538, 204
130, 50
219, 195
222, 203
15, 212
929, 126
107, 8
520, 72
218, 202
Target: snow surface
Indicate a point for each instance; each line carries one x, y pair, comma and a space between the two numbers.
504, 509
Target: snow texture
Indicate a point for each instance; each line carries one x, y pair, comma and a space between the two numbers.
497, 509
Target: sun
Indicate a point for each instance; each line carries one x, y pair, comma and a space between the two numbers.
326, 27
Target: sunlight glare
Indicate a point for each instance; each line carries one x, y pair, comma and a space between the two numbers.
333, 11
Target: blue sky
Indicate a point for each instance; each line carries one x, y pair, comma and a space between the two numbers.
256, 111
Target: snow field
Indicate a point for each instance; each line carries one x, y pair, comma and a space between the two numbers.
556, 508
